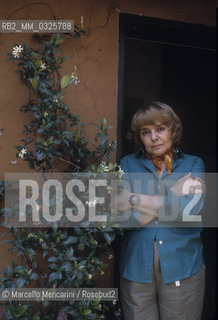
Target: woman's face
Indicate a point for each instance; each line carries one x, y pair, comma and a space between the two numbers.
156, 138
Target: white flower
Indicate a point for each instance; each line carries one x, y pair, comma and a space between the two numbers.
73, 75
45, 114
15, 54
120, 172
103, 165
41, 240
90, 276
22, 153
101, 272
30, 235
43, 67
38, 207
91, 203
16, 51
56, 100
109, 189
37, 223
110, 257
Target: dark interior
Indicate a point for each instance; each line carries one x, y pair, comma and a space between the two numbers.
174, 63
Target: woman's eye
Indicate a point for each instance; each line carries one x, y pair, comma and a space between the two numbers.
144, 132
160, 129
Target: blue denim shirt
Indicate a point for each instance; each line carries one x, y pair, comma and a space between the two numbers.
180, 248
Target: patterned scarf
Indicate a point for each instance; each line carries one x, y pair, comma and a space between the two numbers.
157, 161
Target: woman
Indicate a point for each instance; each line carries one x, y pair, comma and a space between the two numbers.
162, 269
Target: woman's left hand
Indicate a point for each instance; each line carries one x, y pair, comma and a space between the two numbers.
188, 185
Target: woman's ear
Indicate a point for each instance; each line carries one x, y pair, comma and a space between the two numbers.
138, 140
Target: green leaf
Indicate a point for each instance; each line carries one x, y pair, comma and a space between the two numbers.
81, 247
31, 252
52, 259
34, 83
58, 41
20, 282
6, 211
103, 138
66, 267
45, 252
57, 141
73, 313
40, 155
54, 276
25, 46
70, 254
103, 124
54, 266
21, 311
34, 55
38, 63
70, 240
4, 233
7, 241
64, 81
34, 276
61, 60
107, 238
8, 272
86, 312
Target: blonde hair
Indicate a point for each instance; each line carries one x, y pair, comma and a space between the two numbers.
157, 112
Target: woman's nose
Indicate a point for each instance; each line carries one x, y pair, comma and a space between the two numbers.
153, 135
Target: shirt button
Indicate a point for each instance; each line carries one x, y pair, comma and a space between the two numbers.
160, 242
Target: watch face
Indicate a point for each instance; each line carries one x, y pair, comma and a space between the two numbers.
134, 200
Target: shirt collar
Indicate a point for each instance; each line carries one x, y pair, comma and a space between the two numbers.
177, 153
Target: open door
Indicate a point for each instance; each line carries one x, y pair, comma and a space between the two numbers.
174, 63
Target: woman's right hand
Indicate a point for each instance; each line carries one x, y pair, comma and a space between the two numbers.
120, 202
147, 216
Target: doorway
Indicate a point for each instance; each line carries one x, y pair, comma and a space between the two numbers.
175, 63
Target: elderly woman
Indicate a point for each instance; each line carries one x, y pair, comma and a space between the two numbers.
161, 266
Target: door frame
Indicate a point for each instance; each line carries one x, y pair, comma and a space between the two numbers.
159, 31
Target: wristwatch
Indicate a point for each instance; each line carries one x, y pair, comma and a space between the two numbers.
134, 200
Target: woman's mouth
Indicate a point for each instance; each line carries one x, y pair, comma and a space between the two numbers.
157, 146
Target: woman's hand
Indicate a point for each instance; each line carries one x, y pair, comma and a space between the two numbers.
188, 185
147, 216
121, 201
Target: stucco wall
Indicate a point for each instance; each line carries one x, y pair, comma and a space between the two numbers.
95, 57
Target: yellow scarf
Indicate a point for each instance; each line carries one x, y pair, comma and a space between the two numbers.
157, 161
